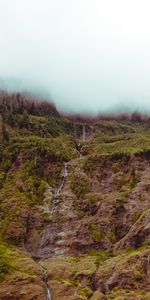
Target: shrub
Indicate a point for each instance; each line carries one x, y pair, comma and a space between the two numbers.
80, 184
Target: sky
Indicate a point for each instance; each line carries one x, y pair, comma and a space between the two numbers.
88, 56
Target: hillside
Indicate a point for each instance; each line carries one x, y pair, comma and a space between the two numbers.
74, 204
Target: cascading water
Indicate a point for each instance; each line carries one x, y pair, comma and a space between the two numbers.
48, 296
54, 207
57, 192
45, 279
65, 169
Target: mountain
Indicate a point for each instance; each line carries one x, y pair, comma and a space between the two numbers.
74, 204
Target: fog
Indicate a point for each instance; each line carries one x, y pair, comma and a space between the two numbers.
85, 55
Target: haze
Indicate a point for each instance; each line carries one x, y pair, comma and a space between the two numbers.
84, 55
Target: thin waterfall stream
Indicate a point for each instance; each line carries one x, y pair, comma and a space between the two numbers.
56, 199
54, 207
64, 174
48, 290
48, 296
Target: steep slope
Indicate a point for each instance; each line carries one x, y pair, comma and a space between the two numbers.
74, 205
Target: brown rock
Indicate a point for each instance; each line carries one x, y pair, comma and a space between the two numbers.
98, 296
22, 288
137, 235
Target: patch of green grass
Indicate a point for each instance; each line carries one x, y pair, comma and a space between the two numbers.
135, 216
100, 256
97, 234
94, 198
12, 260
68, 281
80, 184
4, 266
85, 292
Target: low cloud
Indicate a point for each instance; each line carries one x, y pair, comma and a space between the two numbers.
86, 55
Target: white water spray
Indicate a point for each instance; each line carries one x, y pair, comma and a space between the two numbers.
57, 192
48, 297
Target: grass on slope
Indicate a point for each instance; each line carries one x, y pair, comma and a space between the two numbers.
12, 260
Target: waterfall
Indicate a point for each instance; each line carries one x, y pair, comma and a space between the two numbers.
57, 192
45, 279
64, 174
48, 296
65, 170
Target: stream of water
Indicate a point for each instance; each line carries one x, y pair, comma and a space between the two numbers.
57, 192
48, 296
54, 207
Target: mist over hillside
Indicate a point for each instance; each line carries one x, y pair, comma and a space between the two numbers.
74, 150
85, 56
127, 106
18, 102
74, 203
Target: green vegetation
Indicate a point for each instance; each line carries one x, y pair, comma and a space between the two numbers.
4, 267
80, 184
120, 138
94, 198
100, 256
12, 260
85, 292
135, 216
108, 178
97, 234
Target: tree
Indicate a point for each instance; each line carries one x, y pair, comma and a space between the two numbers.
5, 134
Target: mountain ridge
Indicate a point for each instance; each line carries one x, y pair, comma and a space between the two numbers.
74, 200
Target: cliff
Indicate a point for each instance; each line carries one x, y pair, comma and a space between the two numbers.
74, 205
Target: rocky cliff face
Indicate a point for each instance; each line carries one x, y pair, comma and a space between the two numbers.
74, 208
